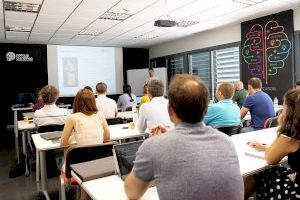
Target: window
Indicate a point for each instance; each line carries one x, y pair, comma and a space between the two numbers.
175, 65
199, 64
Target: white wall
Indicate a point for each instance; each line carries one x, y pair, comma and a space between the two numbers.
219, 36
119, 70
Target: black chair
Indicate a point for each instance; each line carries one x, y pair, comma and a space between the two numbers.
229, 130
82, 153
50, 128
128, 109
112, 121
271, 122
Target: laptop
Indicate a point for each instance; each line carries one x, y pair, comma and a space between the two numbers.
51, 135
124, 155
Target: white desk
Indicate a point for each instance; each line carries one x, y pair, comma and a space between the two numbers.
116, 133
128, 115
112, 188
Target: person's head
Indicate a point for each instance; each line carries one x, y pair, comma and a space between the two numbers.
89, 88
188, 99
297, 85
127, 89
238, 85
151, 72
224, 90
85, 102
49, 94
101, 88
289, 119
155, 88
254, 84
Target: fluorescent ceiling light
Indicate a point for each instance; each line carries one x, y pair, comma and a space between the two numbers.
185, 23
18, 29
115, 16
90, 32
21, 7
249, 2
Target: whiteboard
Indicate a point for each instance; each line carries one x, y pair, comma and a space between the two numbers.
137, 78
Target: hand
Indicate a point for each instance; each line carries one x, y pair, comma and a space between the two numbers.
257, 145
158, 129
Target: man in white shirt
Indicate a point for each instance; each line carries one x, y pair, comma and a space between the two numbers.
50, 114
156, 111
105, 105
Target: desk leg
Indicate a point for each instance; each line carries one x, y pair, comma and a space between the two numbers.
44, 184
24, 146
16, 135
37, 168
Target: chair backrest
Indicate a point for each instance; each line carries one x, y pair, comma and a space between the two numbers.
128, 109
229, 130
271, 122
83, 153
50, 128
112, 121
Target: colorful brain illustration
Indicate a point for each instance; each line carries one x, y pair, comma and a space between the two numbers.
266, 49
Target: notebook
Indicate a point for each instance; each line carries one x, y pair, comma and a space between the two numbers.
124, 155
51, 135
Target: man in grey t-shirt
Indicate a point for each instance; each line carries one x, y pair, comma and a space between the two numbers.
192, 161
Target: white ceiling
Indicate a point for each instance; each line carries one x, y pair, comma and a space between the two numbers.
60, 21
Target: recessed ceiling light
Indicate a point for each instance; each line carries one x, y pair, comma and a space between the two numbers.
21, 7
115, 16
185, 23
89, 32
249, 2
146, 37
17, 29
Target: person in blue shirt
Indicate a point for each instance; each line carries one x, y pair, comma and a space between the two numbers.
258, 103
225, 112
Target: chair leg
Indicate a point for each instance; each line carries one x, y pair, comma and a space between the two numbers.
62, 191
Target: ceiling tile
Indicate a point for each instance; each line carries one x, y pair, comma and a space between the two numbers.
58, 19
19, 23
10, 34
132, 6
28, 1
24, 16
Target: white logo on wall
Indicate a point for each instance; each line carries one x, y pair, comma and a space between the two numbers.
19, 57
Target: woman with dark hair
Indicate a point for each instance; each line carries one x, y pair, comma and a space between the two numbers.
279, 182
127, 99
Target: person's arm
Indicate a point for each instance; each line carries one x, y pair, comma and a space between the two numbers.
67, 132
244, 112
142, 123
135, 187
210, 115
282, 146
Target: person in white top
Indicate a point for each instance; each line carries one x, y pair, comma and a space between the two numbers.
105, 105
156, 111
127, 99
50, 114
151, 75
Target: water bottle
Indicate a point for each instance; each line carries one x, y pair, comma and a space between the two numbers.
275, 102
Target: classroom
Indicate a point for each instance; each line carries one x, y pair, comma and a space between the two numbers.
150, 99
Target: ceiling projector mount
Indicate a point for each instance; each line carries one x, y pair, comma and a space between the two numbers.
167, 22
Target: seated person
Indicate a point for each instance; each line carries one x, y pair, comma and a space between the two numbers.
39, 100
145, 98
50, 114
191, 161
156, 111
105, 105
127, 99
297, 85
280, 182
258, 103
88, 125
240, 93
225, 112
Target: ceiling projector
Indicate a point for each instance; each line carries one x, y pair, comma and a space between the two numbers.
164, 23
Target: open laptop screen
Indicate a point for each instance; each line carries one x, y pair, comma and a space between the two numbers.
125, 155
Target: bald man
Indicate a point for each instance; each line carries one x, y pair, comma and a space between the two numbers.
240, 93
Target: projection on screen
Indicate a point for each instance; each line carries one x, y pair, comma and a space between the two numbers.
71, 68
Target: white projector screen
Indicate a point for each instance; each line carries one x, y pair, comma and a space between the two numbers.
71, 68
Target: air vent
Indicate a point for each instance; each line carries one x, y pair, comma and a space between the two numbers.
90, 32
185, 23
17, 29
21, 7
146, 37
115, 16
